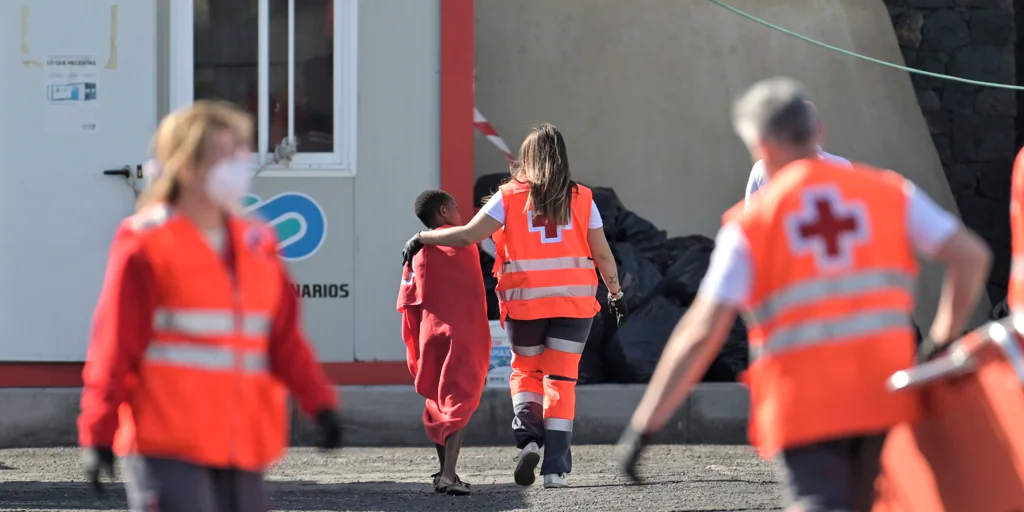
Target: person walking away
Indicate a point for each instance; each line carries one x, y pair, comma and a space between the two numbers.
549, 237
447, 336
1015, 295
196, 337
758, 177
823, 266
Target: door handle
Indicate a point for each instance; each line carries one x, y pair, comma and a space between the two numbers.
125, 171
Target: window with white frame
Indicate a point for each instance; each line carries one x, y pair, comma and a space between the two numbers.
291, 65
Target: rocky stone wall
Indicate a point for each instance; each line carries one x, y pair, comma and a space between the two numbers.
974, 127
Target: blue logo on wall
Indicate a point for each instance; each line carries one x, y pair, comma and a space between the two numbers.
299, 221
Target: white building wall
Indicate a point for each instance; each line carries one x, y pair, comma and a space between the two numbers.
399, 156
60, 211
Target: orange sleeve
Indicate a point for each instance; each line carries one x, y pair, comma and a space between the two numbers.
293, 360
121, 331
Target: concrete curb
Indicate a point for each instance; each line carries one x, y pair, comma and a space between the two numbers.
716, 413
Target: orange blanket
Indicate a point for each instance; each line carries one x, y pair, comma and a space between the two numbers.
446, 334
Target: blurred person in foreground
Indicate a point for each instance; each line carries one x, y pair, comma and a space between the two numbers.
759, 177
823, 267
447, 336
1015, 292
549, 237
196, 339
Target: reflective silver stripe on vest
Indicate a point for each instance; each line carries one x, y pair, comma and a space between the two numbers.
545, 292
567, 262
204, 357
818, 332
813, 290
209, 322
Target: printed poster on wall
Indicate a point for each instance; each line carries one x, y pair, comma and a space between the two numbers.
70, 90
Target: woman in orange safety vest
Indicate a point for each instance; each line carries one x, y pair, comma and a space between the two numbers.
196, 338
549, 237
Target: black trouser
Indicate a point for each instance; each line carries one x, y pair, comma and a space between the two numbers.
167, 485
545, 365
833, 476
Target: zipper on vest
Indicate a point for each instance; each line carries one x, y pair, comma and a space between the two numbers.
237, 319
236, 308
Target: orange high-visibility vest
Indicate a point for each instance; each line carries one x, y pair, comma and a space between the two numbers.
1015, 294
204, 391
829, 315
544, 271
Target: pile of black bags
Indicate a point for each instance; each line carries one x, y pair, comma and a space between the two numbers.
659, 277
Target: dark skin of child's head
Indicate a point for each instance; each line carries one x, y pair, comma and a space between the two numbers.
447, 215
436, 208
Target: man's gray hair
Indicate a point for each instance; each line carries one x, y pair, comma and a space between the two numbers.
777, 109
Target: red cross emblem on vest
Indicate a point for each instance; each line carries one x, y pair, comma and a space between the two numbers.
549, 232
827, 227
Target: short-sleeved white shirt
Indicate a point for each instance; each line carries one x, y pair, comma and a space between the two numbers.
728, 279
495, 209
758, 178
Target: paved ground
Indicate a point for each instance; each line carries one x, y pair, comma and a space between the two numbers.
686, 478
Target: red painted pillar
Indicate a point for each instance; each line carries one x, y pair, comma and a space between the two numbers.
457, 101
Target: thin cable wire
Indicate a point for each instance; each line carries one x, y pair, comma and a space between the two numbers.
788, 32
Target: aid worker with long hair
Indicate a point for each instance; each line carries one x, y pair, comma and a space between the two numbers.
549, 237
196, 339
823, 266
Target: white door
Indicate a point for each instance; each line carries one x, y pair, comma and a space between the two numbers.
81, 99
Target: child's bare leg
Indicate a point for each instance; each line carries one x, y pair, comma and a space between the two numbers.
452, 446
440, 456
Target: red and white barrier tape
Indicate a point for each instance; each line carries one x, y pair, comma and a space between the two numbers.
484, 127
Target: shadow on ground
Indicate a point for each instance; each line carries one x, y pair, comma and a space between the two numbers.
285, 496
391, 497
60, 496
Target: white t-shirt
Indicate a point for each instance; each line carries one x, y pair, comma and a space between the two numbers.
758, 178
495, 209
215, 237
728, 279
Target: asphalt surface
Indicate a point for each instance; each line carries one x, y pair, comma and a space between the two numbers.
682, 478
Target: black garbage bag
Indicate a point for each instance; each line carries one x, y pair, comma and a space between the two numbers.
683, 276
610, 207
490, 283
632, 354
592, 363
683, 244
733, 358
638, 277
486, 186
639, 231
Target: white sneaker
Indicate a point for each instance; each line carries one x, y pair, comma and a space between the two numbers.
526, 464
554, 481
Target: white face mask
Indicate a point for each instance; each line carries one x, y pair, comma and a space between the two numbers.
228, 181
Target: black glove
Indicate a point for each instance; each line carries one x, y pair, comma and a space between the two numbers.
929, 350
95, 461
330, 430
628, 450
412, 247
618, 307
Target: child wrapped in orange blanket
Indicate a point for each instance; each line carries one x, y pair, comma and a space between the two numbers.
446, 334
